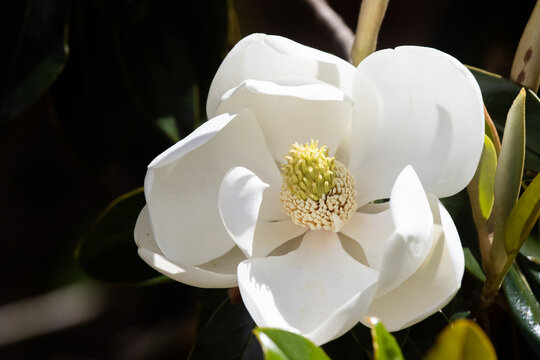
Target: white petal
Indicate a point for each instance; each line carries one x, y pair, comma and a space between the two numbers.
395, 238
267, 57
415, 106
317, 290
219, 273
432, 286
408, 246
371, 230
296, 111
240, 199
182, 185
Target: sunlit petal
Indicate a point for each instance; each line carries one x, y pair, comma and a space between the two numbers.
182, 185
317, 290
269, 57
415, 106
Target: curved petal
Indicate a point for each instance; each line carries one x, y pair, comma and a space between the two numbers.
317, 290
415, 106
240, 204
268, 57
371, 230
219, 273
296, 111
408, 246
182, 184
433, 285
396, 241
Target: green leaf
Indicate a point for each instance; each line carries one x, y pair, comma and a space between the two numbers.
508, 177
284, 345
483, 182
486, 178
385, 345
168, 125
472, 265
523, 217
108, 252
33, 54
531, 270
462, 340
498, 94
226, 335
531, 247
524, 306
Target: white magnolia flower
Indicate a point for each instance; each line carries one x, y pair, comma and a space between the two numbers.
406, 124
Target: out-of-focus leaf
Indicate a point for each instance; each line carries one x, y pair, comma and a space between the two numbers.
508, 176
523, 217
385, 346
284, 345
498, 94
132, 63
169, 127
456, 204
472, 265
34, 51
108, 252
462, 340
524, 306
227, 335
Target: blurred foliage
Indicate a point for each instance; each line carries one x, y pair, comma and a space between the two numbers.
132, 64
462, 340
108, 253
227, 334
34, 49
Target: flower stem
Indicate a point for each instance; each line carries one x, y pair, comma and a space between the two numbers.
370, 19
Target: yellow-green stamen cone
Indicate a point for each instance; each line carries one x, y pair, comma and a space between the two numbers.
309, 171
318, 191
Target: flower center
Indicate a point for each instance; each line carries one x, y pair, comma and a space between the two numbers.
318, 191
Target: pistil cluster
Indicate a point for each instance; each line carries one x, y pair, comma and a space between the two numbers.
318, 191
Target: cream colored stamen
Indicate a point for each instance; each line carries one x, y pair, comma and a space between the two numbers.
318, 191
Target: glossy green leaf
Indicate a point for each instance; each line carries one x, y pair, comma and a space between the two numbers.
524, 306
484, 179
462, 340
508, 176
108, 252
284, 345
531, 271
34, 52
385, 346
498, 94
523, 217
531, 247
227, 334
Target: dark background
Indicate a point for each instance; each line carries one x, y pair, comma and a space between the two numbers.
88, 137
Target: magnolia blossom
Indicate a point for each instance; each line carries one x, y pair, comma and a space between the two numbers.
314, 186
